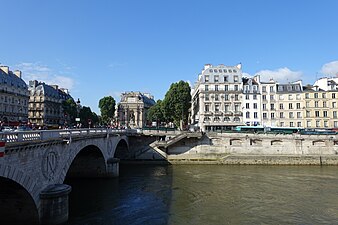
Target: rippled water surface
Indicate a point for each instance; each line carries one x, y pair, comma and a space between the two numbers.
208, 194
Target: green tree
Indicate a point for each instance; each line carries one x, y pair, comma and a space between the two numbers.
176, 103
86, 116
155, 113
69, 110
107, 108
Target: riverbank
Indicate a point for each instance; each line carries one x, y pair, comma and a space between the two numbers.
221, 159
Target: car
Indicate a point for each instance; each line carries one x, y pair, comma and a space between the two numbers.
6, 129
22, 128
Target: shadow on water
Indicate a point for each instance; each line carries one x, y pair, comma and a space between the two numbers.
141, 195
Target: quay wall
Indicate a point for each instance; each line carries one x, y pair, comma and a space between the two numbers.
247, 148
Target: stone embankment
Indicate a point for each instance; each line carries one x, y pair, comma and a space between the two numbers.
248, 149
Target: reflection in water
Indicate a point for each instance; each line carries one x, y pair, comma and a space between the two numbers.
208, 194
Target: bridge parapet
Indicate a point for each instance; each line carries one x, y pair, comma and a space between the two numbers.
44, 135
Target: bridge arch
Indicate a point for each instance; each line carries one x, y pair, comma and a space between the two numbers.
121, 149
16, 203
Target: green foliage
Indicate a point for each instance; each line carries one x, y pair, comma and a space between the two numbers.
86, 116
69, 110
155, 113
107, 108
176, 103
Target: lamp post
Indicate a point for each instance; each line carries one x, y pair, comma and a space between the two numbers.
77, 119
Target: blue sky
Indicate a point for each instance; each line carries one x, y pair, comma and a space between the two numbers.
105, 47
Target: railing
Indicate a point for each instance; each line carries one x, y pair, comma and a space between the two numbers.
43, 135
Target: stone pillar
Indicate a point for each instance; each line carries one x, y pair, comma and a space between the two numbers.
54, 204
113, 167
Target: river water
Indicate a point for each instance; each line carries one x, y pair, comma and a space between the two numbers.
208, 194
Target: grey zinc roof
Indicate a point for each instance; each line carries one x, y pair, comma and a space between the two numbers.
12, 79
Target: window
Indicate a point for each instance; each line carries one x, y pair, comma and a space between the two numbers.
308, 114
335, 123
216, 107
264, 115
236, 98
271, 89
316, 95
290, 106
298, 97
247, 114
255, 115
299, 124
334, 104
316, 113
254, 97
317, 123
255, 105
307, 104
226, 108
325, 123
235, 78
247, 97
216, 78
226, 97
281, 115
225, 78
281, 106
206, 97
210, 70
335, 114
247, 105
307, 95
290, 115
226, 87
324, 104
237, 106
236, 87
207, 108
316, 104
264, 89
264, 97
298, 105
215, 71
290, 97
264, 106
272, 115
224, 70
299, 115
308, 123
206, 78
272, 106
272, 97
216, 97
291, 124
206, 88
324, 113
282, 124
333, 95
323, 95
216, 87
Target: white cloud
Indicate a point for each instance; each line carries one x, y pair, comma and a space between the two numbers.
40, 72
330, 68
280, 75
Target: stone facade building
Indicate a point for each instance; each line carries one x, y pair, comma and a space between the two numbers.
252, 100
14, 98
45, 104
217, 98
132, 109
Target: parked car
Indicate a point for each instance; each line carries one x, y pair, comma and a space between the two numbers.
22, 128
6, 129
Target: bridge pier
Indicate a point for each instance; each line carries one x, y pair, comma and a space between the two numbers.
113, 165
54, 204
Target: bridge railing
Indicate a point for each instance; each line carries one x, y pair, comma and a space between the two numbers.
42, 135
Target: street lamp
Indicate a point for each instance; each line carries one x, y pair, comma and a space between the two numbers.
78, 112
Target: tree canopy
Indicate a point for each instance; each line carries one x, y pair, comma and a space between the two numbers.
107, 108
176, 102
155, 113
70, 110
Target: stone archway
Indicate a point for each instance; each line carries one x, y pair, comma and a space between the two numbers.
16, 204
122, 150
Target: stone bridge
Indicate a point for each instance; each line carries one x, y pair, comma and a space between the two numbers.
34, 166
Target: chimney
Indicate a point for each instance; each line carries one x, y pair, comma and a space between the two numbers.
5, 69
33, 83
207, 66
17, 73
